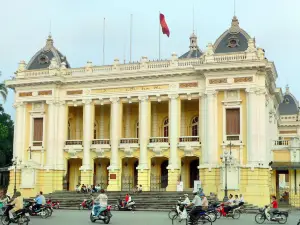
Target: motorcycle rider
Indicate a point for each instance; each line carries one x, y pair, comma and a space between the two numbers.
274, 205
100, 203
197, 207
228, 204
242, 201
204, 201
40, 200
18, 203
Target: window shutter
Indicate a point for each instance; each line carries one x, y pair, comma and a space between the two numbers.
232, 121
38, 129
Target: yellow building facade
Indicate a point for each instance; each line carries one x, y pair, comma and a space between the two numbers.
151, 123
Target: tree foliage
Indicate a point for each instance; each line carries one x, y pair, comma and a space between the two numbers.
6, 138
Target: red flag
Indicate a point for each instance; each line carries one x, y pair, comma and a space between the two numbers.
164, 26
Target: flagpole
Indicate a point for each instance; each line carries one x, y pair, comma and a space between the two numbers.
159, 35
130, 37
103, 41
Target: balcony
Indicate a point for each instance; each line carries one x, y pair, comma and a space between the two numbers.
100, 146
158, 145
72, 147
281, 144
129, 146
232, 137
189, 144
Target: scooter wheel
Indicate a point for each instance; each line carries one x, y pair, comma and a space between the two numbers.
116, 208
93, 220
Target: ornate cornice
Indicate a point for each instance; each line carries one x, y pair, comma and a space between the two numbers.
114, 99
143, 98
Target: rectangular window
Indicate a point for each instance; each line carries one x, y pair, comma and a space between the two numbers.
232, 121
37, 131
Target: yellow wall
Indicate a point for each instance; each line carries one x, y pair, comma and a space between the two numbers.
72, 119
244, 124
162, 110
220, 98
281, 156
74, 173
189, 109
134, 118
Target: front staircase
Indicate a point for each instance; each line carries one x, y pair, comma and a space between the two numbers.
146, 201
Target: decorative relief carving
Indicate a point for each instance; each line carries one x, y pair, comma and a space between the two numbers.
173, 86
34, 94
143, 98
74, 92
243, 79
173, 96
87, 101
218, 81
39, 106
87, 91
25, 94
114, 99
232, 95
288, 132
48, 92
188, 85
131, 89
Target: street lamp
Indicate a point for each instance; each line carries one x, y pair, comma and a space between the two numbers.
15, 163
227, 159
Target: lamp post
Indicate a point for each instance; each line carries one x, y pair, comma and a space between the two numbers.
15, 163
227, 159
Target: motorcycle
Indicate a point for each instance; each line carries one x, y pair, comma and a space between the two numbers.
43, 211
177, 210
86, 204
53, 204
130, 206
298, 223
21, 216
104, 215
278, 216
233, 212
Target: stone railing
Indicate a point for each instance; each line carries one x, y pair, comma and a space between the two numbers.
232, 137
189, 139
144, 64
281, 143
101, 142
73, 142
159, 140
229, 58
129, 141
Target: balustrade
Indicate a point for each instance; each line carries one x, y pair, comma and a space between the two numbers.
101, 142
129, 141
37, 143
159, 139
73, 142
189, 139
281, 142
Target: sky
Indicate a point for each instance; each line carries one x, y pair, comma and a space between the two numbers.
77, 30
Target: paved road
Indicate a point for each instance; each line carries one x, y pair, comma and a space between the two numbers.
63, 217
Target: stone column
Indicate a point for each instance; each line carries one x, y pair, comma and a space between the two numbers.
101, 123
115, 134
173, 167
19, 131
251, 126
144, 133
61, 134
211, 145
88, 122
50, 131
127, 122
202, 128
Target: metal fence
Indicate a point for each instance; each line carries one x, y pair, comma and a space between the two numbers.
158, 183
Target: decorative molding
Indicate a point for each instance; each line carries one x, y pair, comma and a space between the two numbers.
131, 89
18, 104
38, 106
25, 94
211, 93
87, 91
87, 101
48, 92
50, 102
188, 85
250, 90
243, 79
288, 132
218, 81
74, 92
173, 96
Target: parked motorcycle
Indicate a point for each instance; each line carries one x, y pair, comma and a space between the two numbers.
53, 204
44, 211
279, 216
21, 217
233, 213
130, 206
104, 215
86, 204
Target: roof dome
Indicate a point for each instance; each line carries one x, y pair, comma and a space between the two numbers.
235, 39
194, 51
42, 58
290, 105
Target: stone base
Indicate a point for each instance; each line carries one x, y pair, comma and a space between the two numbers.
114, 180
143, 179
86, 177
173, 178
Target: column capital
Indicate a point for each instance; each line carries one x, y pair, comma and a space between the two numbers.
250, 90
211, 93
173, 96
87, 101
143, 98
114, 99
201, 94
260, 91
61, 103
18, 104
50, 102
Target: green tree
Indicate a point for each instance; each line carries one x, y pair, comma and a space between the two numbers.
6, 138
3, 90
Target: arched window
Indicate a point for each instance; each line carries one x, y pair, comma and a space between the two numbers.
69, 130
166, 127
195, 123
137, 129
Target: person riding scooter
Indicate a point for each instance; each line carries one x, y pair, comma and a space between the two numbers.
18, 204
100, 203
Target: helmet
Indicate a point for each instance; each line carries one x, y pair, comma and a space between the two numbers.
102, 190
195, 192
185, 195
18, 194
202, 194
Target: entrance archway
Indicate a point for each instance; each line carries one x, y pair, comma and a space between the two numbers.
189, 171
282, 185
73, 174
129, 173
101, 172
159, 174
